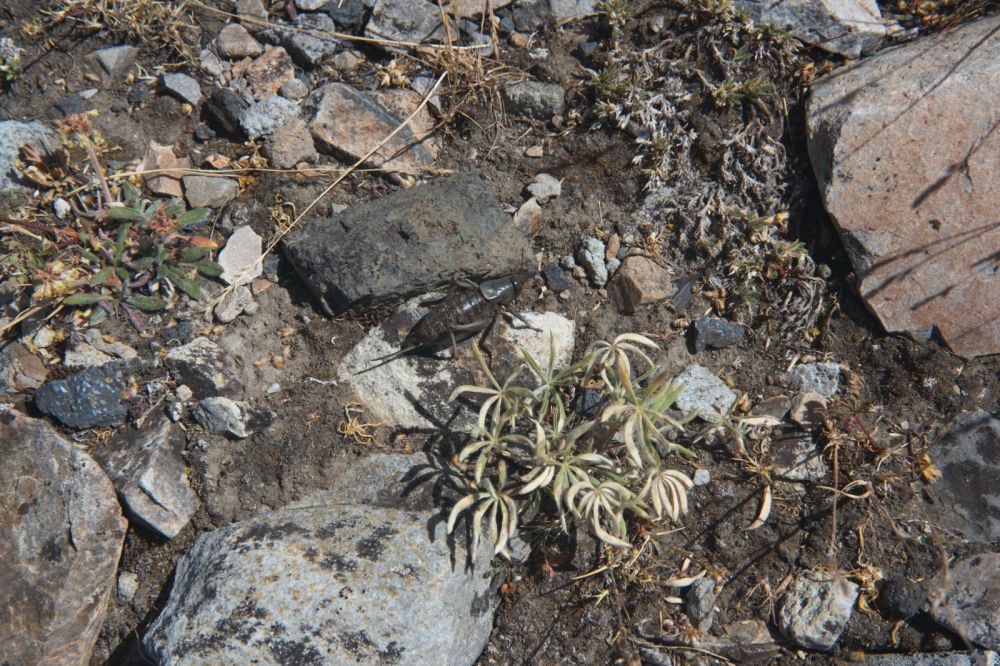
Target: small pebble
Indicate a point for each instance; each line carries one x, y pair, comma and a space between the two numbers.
128, 584
613, 265
273, 388
568, 262
555, 279
294, 89
701, 477
61, 208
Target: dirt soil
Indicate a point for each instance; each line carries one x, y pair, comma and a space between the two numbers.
904, 390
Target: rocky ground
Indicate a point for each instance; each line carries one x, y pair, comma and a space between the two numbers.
217, 218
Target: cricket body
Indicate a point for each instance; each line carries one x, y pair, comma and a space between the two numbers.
460, 315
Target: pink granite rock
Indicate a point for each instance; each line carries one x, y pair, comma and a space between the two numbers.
906, 149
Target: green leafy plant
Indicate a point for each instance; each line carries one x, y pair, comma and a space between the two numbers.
148, 244
597, 468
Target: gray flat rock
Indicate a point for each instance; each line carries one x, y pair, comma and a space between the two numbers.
413, 391
241, 257
230, 417
62, 537
969, 600
209, 191
817, 609
412, 21
114, 60
535, 99
703, 392
821, 378
332, 585
408, 243
968, 496
204, 368
13, 135
846, 27
389, 480
183, 87
148, 472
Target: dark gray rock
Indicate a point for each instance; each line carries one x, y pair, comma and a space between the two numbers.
62, 537
307, 50
701, 598
180, 333
408, 243
901, 598
555, 279
13, 135
716, 333
91, 398
683, 293
528, 16
326, 585
349, 14
534, 98
183, 87
69, 105
817, 609
968, 599
225, 108
148, 472
204, 133
205, 368
968, 496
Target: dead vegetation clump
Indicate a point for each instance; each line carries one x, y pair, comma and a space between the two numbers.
707, 106
161, 24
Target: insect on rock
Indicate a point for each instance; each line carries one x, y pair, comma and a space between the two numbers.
460, 315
